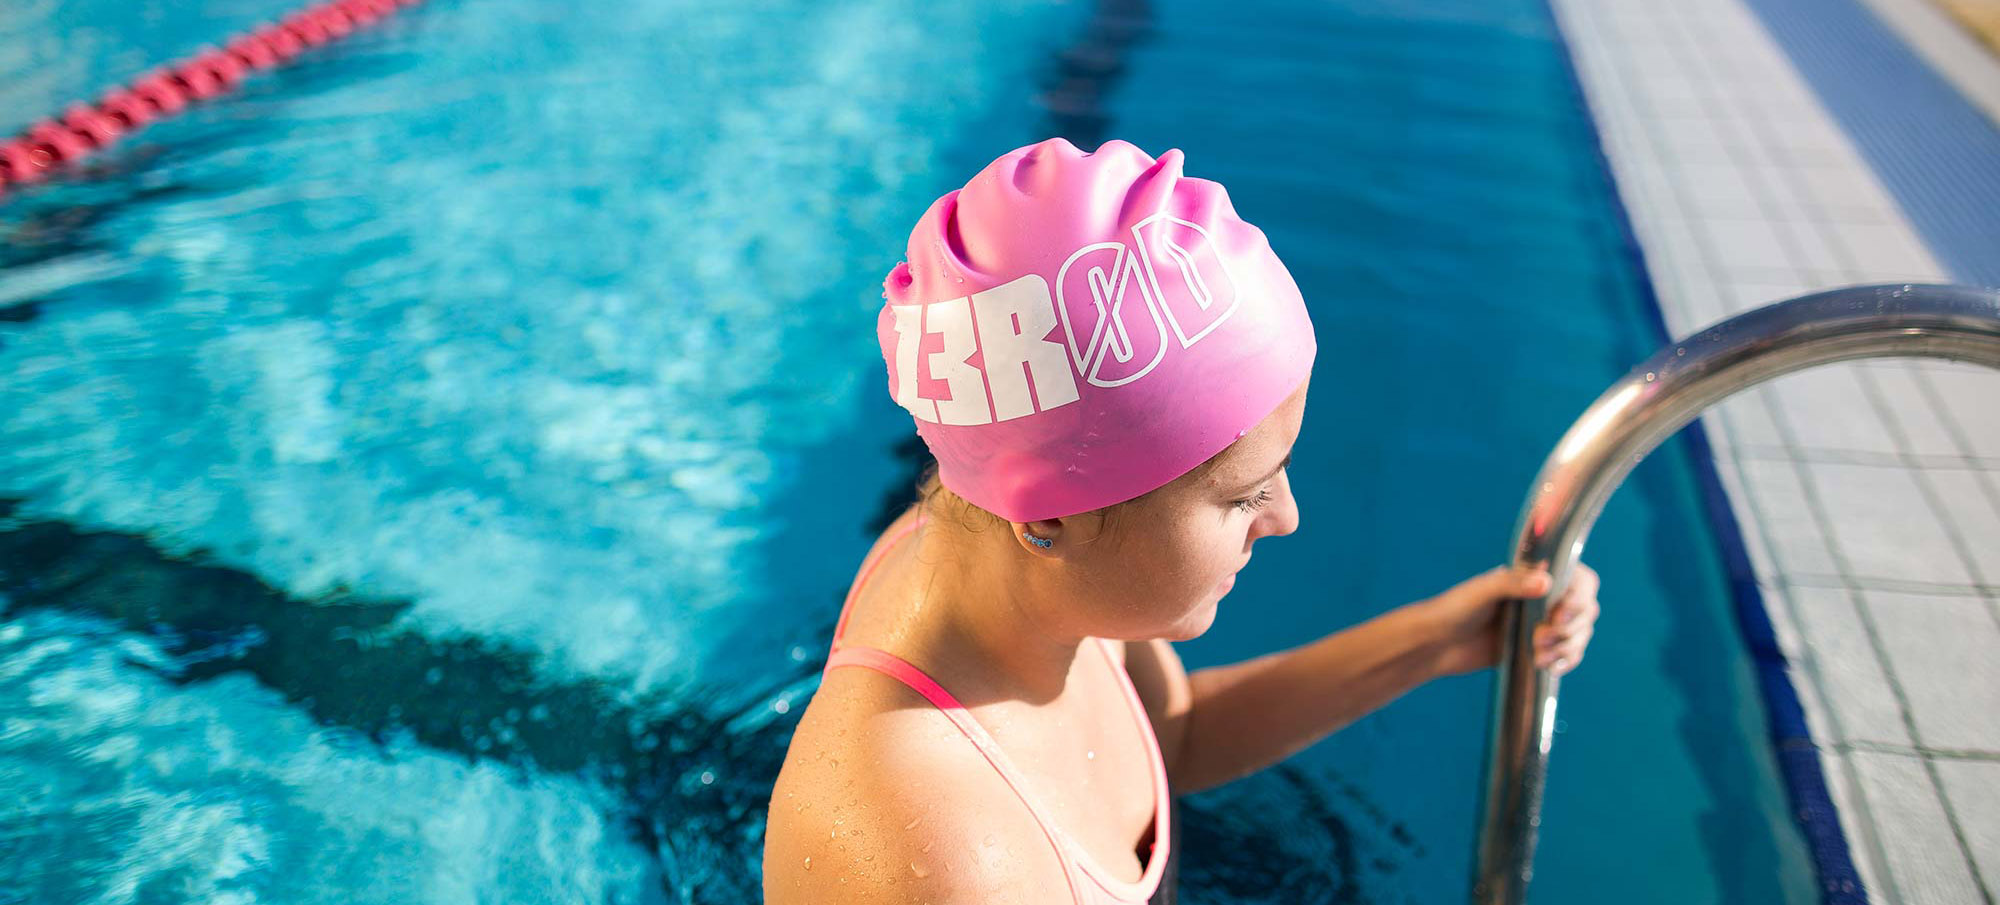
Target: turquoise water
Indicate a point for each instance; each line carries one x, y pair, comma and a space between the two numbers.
431, 474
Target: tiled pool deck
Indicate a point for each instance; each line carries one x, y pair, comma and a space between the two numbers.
1868, 493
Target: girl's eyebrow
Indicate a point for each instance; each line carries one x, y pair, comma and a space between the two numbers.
1274, 471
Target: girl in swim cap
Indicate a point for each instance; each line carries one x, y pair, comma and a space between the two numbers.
1110, 368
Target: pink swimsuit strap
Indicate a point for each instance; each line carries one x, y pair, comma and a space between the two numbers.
1067, 848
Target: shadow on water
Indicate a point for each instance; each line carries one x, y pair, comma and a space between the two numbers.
1084, 74
345, 661
1689, 655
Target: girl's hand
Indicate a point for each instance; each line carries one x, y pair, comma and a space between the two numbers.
1466, 619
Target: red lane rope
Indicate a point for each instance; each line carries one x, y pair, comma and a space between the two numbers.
84, 129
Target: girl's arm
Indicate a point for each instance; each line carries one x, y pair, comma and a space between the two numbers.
1246, 716
1233, 720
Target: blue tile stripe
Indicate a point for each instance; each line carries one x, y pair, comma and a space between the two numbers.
1936, 153
1796, 752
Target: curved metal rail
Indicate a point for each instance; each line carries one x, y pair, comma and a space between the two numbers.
1645, 407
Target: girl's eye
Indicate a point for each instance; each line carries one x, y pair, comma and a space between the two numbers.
1254, 503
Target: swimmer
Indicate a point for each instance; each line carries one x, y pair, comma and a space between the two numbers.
1110, 368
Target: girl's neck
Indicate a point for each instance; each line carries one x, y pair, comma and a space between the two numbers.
979, 613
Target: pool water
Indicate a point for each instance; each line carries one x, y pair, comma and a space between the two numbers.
432, 473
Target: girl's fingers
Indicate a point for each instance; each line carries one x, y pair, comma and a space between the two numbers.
1564, 635
1570, 650
1580, 617
1566, 616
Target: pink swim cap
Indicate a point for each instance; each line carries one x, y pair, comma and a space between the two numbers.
1073, 330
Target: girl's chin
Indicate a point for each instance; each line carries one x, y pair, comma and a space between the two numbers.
1197, 623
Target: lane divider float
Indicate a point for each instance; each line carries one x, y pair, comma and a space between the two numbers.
84, 129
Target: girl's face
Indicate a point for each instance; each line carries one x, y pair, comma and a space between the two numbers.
1182, 545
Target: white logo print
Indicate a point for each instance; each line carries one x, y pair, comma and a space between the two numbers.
1103, 276
1108, 290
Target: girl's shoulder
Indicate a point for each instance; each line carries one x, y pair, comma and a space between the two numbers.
893, 804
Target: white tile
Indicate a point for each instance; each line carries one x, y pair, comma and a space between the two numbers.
1715, 191
1973, 788
1926, 864
1631, 26
1856, 686
1881, 525
1822, 280
1695, 143
1743, 243
1816, 142
1812, 242
1890, 251
1756, 289
1911, 410
1677, 102
1941, 651
1971, 396
1675, 85
1971, 512
1845, 185
1651, 61
1787, 518
1827, 409
1748, 416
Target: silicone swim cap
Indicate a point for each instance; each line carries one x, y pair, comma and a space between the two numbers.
1073, 330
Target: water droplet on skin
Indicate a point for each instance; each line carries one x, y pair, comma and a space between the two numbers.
927, 846
989, 838
809, 862
913, 824
919, 869
1089, 755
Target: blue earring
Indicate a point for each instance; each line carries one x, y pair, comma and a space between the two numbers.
1041, 542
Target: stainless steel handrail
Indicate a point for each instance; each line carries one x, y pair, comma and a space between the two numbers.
1645, 407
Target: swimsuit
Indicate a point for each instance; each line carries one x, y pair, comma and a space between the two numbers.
1089, 883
